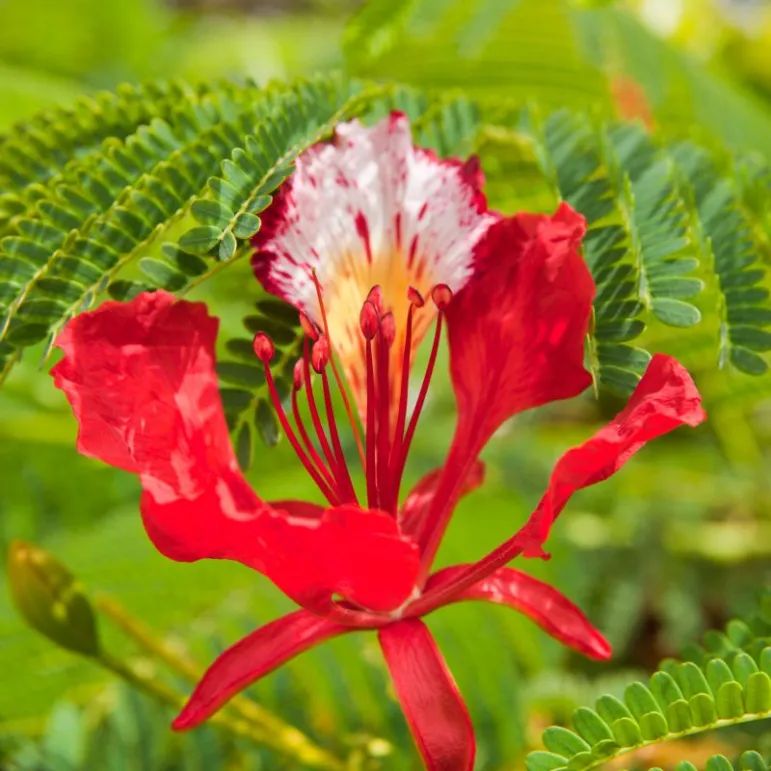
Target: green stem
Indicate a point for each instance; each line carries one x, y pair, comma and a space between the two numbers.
257, 723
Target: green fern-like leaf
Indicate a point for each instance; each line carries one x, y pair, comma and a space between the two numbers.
170, 202
76, 242
727, 236
726, 681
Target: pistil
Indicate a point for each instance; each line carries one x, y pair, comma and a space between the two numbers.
368, 322
385, 339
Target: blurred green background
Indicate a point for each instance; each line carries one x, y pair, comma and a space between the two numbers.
678, 543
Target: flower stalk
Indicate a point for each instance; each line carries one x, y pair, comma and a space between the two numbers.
53, 602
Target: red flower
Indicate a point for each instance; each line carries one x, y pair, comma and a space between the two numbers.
374, 241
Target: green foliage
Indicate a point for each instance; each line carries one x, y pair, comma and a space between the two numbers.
166, 195
651, 237
556, 52
725, 682
68, 241
129, 737
162, 185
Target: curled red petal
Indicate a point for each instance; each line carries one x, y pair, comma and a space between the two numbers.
665, 399
141, 381
432, 704
251, 658
418, 502
550, 609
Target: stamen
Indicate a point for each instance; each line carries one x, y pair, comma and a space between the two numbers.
386, 336
315, 418
345, 484
309, 446
368, 320
441, 295
320, 354
416, 301
375, 297
265, 350
352, 419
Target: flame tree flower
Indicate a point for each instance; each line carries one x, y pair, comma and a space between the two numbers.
378, 244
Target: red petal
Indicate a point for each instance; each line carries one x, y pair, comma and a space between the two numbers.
417, 503
517, 330
299, 508
358, 554
550, 609
432, 704
254, 657
516, 335
140, 378
664, 399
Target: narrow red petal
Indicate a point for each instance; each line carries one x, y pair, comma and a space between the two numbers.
432, 704
254, 657
418, 502
550, 609
141, 381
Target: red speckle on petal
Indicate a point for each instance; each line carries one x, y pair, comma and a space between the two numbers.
413, 251
398, 230
362, 228
423, 210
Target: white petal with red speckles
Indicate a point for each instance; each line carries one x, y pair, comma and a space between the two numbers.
371, 209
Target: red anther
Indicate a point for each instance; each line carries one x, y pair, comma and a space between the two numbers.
375, 296
441, 294
299, 375
320, 354
368, 320
308, 327
388, 328
263, 347
415, 297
